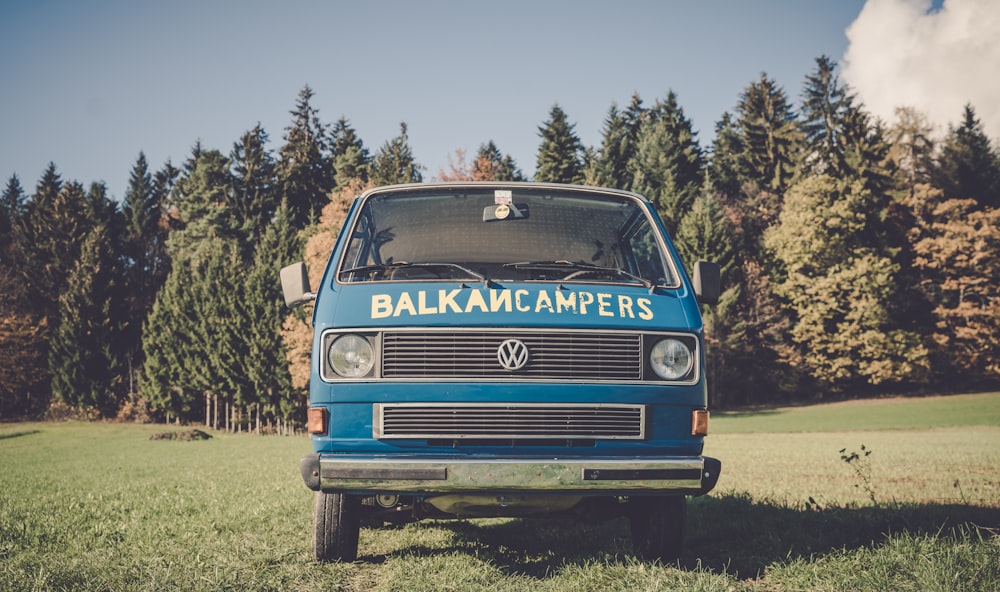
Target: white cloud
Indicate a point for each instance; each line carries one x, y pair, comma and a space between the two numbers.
903, 53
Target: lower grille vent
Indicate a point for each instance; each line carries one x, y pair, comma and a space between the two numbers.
503, 420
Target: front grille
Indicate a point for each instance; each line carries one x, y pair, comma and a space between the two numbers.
503, 420
563, 355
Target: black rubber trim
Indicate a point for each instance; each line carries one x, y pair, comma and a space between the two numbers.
387, 473
710, 476
641, 474
309, 467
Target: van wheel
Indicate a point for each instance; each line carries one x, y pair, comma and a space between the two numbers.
657, 525
336, 523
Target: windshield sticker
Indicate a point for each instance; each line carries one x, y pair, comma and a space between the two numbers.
459, 301
503, 197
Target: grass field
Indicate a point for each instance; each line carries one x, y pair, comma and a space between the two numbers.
102, 507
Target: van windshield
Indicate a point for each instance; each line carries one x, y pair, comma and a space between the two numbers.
520, 234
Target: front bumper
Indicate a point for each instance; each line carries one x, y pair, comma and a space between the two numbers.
577, 476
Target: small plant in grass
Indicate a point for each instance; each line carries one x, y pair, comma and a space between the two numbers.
812, 505
858, 460
961, 492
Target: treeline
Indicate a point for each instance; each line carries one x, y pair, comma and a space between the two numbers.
857, 257
168, 306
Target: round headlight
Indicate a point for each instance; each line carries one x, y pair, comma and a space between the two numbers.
671, 359
351, 356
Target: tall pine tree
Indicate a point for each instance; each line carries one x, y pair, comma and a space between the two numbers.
724, 170
305, 169
169, 346
266, 365
202, 202
255, 186
394, 162
145, 253
193, 341
668, 164
351, 161
11, 202
560, 155
142, 213
825, 102
609, 166
84, 355
771, 140
183, 330
11, 205
48, 239
969, 167
30, 247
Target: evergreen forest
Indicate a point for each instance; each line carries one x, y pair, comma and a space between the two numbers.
859, 258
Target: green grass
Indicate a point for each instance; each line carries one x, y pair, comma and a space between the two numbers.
940, 465
101, 506
870, 414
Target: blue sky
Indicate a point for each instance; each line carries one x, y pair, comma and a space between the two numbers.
88, 85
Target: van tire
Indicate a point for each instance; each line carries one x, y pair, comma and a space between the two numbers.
336, 524
657, 525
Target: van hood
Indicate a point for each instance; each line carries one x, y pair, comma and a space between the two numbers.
508, 304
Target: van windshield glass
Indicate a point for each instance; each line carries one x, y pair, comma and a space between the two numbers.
521, 234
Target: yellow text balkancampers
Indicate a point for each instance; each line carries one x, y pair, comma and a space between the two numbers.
558, 301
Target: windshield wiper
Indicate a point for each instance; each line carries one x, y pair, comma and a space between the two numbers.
406, 264
569, 265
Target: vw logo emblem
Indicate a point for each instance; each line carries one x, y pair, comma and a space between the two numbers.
512, 354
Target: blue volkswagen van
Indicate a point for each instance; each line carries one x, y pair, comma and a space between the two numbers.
505, 349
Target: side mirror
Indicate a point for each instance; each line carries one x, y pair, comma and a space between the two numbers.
295, 285
707, 282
